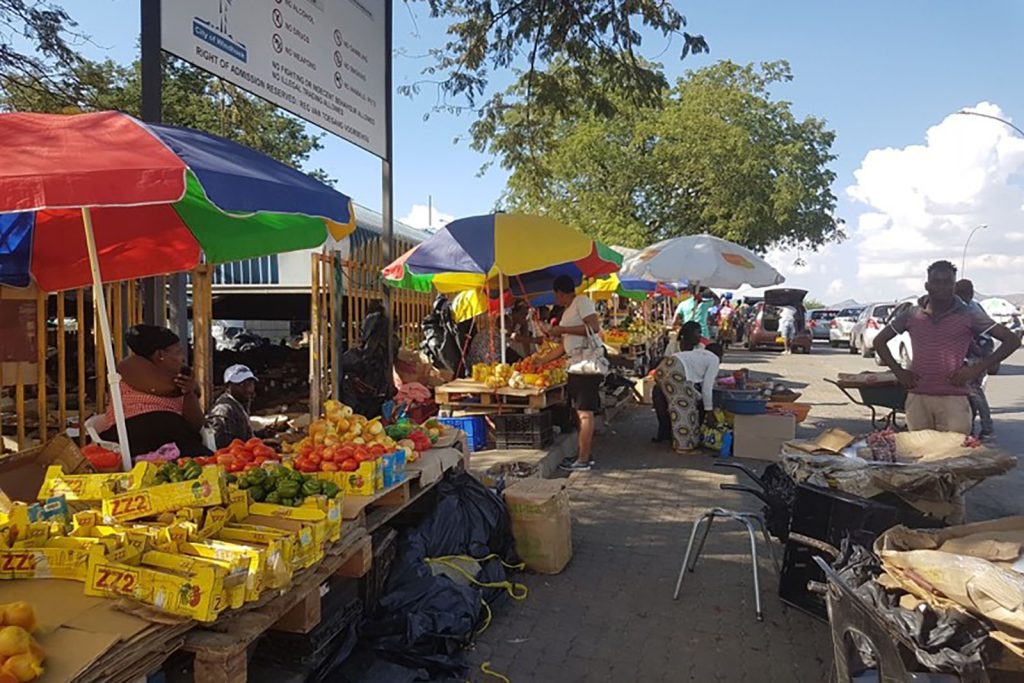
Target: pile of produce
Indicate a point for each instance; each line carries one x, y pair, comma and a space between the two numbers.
494, 375
415, 438
533, 371
239, 455
280, 485
883, 445
102, 459
184, 469
21, 658
617, 337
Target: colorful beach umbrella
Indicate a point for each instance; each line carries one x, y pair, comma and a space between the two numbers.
528, 251
159, 197
103, 197
701, 259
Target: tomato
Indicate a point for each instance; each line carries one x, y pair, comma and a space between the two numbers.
377, 449
315, 458
304, 465
264, 451
259, 461
225, 459
253, 443
234, 467
347, 451
350, 465
235, 443
329, 467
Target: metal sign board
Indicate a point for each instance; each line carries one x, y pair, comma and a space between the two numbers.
322, 60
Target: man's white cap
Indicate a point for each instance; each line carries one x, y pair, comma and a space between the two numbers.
237, 374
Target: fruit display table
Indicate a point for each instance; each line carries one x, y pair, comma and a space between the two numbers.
466, 395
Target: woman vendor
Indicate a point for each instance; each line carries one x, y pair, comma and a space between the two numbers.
161, 404
683, 393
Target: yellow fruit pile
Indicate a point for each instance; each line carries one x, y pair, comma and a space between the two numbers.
617, 337
494, 375
340, 425
21, 658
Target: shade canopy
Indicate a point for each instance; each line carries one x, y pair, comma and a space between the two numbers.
701, 259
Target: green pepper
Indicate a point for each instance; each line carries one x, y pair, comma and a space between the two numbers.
257, 494
288, 489
192, 470
311, 487
273, 497
257, 476
296, 502
243, 484
232, 479
175, 474
330, 489
286, 502
161, 478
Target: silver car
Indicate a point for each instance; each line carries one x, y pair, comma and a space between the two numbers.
869, 323
841, 325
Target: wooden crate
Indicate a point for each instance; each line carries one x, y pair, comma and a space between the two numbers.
465, 394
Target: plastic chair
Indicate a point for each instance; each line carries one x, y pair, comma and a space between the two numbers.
92, 427
751, 521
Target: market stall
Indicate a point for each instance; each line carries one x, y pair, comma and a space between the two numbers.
123, 569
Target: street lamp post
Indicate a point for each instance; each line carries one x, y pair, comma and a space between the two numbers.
966, 112
963, 261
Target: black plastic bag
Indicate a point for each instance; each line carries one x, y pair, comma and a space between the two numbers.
426, 620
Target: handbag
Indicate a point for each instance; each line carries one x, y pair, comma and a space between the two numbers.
590, 359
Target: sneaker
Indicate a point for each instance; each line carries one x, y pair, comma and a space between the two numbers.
576, 466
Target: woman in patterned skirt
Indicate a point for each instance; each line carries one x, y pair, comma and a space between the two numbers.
682, 395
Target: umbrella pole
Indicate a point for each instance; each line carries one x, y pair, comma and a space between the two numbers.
113, 378
501, 304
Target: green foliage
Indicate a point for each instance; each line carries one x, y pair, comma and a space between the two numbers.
813, 304
591, 39
50, 36
714, 154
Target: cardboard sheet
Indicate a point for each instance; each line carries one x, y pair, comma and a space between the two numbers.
70, 651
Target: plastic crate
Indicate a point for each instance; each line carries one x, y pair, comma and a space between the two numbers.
475, 427
371, 586
523, 431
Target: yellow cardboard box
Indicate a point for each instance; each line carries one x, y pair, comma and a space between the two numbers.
276, 546
192, 594
92, 488
331, 507
205, 491
252, 561
308, 535
47, 563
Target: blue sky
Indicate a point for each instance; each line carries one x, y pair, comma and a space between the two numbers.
881, 73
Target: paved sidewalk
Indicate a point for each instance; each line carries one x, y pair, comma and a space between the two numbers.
610, 615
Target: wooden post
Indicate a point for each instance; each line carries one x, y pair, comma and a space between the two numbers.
62, 371
80, 342
19, 405
314, 338
101, 359
201, 322
41, 345
117, 321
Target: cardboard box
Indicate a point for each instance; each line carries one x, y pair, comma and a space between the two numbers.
22, 473
148, 502
643, 390
541, 523
761, 437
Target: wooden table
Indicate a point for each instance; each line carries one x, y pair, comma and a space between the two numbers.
466, 395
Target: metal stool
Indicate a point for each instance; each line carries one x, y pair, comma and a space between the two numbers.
748, 519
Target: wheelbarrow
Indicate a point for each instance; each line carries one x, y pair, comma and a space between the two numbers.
878, 398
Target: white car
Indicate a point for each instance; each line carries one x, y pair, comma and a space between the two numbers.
870, 322
900, 345
841, 326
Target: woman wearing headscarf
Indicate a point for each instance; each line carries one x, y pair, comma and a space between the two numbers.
161, 404
683, 393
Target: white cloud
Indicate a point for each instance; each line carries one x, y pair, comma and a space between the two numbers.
835, 287
924, 200
419, 216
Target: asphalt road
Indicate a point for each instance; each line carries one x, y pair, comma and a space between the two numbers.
996, 497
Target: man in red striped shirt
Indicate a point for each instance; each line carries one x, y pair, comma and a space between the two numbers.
941, 330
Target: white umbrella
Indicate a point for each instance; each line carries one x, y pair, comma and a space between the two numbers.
701, 259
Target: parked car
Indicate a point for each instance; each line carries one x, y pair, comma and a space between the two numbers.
764, 324
841, 325
903, 351
819, 320
869, 323
1004, 313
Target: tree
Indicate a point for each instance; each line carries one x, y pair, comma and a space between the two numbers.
49, 36
590, 38
813, 304
191, 97
714, 154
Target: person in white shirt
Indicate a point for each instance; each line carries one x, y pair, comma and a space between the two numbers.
578, 320
684, 390
787, 327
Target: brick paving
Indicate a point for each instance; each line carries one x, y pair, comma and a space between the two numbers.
610, 615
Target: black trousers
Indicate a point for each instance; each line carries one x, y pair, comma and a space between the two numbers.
150, 431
